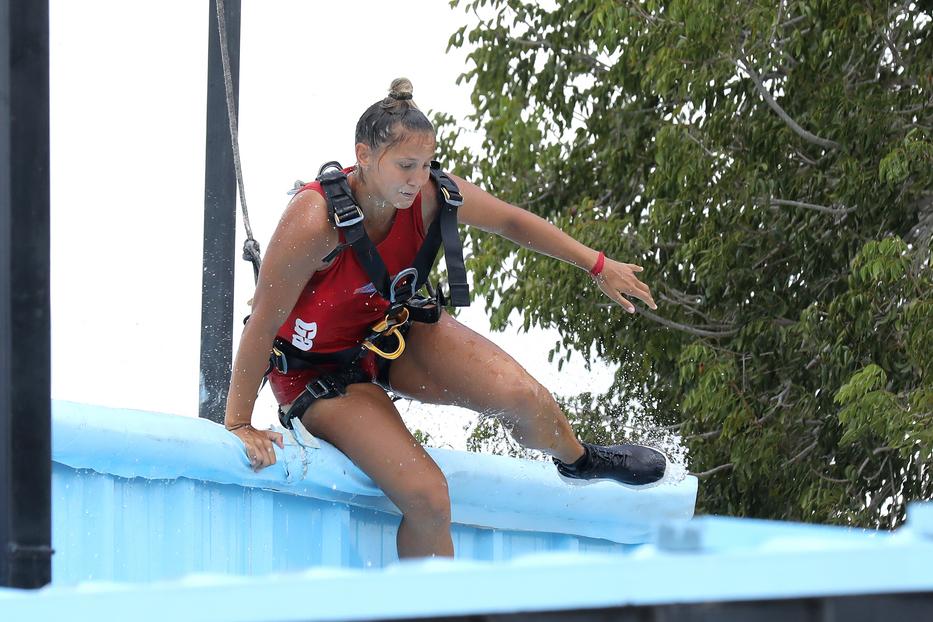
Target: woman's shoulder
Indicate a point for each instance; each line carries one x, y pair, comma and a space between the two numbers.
305, 224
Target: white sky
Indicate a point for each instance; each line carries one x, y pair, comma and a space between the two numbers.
128, 84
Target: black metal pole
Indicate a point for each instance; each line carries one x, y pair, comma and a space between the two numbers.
25, 405
219, 220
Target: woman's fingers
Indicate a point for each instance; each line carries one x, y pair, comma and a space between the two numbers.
276, 437
618, 280
616, 295
640, 289
622, 300
246, 436
632, 286
260, 449
618, 283
644, 293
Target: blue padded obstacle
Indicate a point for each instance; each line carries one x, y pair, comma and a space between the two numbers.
142, 496
159, 517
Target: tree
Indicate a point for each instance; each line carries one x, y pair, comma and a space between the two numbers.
771, 166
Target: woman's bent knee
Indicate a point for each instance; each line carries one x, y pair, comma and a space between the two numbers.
525, 395
427, 502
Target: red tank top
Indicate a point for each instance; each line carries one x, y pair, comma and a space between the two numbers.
339, 304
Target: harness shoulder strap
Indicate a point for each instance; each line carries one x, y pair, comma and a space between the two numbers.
341, 207
347, 215
450, 200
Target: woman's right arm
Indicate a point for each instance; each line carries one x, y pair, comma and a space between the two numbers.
303, 237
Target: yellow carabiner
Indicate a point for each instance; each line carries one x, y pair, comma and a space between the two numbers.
388, 355
396, 320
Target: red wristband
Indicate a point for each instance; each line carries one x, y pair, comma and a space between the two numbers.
600, 262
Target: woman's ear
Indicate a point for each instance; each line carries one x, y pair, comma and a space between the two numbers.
363, 155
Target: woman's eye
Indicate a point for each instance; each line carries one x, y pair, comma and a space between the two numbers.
406, 166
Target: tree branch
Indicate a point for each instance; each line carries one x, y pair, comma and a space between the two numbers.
893, 44
774, 251
701, 145
777, 22
893, 49
721, 467
812, 206
807, 136
686, 306
806, 159
827, 478
592, 61
792, 21
920, 233
693, 330
802, 453
704, 435
878, 472
694, 299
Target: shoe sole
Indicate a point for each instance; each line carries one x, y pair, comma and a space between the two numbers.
586, 482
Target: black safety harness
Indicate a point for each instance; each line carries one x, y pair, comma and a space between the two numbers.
401, 290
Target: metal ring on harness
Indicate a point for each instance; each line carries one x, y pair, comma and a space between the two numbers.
332, 164
399, 281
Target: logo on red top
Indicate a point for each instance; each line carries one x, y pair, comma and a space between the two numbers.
304, 335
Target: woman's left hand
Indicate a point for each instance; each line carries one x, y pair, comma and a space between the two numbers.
619, 278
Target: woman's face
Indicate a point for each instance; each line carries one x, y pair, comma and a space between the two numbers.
398, 172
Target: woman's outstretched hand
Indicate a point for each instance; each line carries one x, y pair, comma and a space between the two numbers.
258, 445
618, 280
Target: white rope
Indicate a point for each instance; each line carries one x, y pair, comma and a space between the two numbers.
250, 247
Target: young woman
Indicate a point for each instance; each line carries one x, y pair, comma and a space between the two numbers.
315, 298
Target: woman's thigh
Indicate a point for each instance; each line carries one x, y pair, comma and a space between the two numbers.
448, 363
365, 425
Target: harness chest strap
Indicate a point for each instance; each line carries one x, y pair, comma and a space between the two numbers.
347, 215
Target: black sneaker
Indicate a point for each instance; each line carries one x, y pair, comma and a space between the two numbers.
629, 464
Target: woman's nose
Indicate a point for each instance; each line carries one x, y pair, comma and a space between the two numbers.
420, 179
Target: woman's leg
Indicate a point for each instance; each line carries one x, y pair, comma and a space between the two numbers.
447, 363
365, 425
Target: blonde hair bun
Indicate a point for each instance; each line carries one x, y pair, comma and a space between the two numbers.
401, 89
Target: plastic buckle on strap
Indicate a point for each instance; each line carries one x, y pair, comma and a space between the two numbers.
296, 187
455, 199
348, 214
278, 360
438, 295
319, 388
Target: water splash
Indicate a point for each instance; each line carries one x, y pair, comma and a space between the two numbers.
671, 444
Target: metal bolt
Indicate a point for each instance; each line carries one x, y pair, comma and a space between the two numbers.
679, 537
